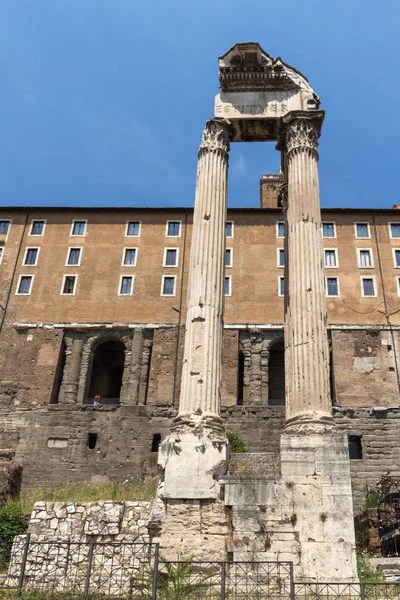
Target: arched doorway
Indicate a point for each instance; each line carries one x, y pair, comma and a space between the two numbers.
276, 374
107, 371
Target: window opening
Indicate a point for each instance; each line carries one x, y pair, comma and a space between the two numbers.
92, 441
155, 444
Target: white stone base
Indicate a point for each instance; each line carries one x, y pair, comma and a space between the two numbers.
305, 517
190, 463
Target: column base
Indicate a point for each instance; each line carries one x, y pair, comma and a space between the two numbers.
192, 458
311, 422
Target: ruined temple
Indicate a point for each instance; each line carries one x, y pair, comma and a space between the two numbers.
279, 324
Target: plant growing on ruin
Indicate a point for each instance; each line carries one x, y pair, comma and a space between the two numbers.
178, 580
323, 516
236, 444
371, 500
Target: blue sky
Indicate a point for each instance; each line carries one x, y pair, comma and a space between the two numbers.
103, 102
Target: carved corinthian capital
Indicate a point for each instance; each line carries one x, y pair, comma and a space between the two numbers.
215, 137
301, 132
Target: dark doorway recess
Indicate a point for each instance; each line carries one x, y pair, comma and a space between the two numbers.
276, 374
107, 371
240, 379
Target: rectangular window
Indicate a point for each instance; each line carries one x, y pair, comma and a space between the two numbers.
394, 230
328, 230
332, 286
31, 256
37, 227
362, 230
368, 287
228, 257
280, 229
126, 286
25, 284
133, 228
396, 258
69, 284
229, 229
281, 290
78, 227
74, 257
398, 286
365, 259
281, 257
170, 257
173, 228
227, 286
168, 286
1, 254
355, 447
4, 227
129, 257
330, 259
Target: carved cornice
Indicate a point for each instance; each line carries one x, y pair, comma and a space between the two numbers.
215, 137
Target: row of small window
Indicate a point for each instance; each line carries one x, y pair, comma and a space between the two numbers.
74, 255
365, 258
69, 283
332, 287
78, 228
361, 230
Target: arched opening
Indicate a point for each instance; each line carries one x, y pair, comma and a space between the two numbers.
107, 371
276, 374
240, 379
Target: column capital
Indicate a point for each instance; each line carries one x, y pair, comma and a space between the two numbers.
300, 131
216, 137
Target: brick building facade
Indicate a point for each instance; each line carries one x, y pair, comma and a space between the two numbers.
92, 301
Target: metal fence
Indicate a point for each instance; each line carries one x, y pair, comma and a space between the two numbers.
69, 570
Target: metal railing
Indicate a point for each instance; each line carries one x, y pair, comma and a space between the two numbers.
76, 570
102, 402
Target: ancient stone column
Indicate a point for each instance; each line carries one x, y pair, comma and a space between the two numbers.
71, 382
135, 368
306, 343
195, 452
201, 374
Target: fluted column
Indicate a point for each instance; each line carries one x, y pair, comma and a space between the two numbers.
71, 378
201, 375
306, 343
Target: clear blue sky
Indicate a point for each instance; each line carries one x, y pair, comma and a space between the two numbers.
103, 101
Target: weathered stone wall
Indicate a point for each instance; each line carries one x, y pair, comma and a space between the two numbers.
86, 521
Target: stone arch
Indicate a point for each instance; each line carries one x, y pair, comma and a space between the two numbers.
106, 369
276, 373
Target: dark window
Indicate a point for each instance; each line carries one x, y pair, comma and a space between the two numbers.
355, 447
395, 230
281, 258
69, 284
74, 256
37, 227
133, 228
281, 230
169, 286
229, 229
368, 287
328, 230
4, 225
130, 257
228, 257
362, 230
91, 441
126, 286
25, 284
78, 228
170, 257
240, 379
155, 444
227, 286
397, 257
281, 286
31, 256
174, 228
332, 286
